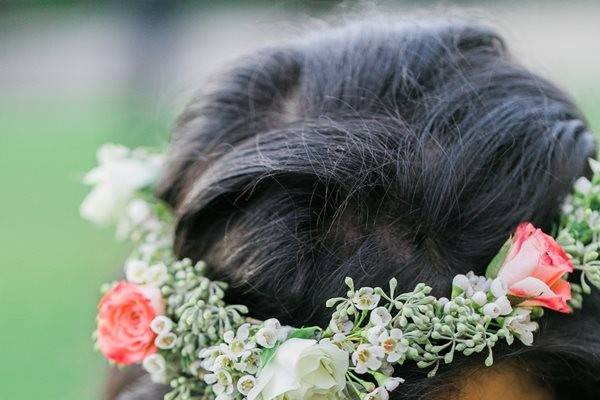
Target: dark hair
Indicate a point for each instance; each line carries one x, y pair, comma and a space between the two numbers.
379, 151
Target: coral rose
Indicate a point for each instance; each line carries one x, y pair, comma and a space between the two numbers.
534, 268
124, 316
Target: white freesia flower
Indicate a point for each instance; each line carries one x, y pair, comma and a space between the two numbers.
366, 298
135, 271
380, 316
392, 345
521, 325
378, 394
367, 357
161, 325
303, 369
119, 174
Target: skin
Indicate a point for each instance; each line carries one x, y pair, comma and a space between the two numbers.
502, 382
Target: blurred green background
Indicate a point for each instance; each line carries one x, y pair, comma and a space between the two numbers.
74, 75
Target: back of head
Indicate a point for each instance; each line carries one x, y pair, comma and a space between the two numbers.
407, 151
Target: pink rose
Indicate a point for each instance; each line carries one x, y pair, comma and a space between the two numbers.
124, 316
534, 267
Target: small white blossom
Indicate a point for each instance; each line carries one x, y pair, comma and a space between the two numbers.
478, 283
135, 271
249, 362
504, 305
161, 324
380, 316
367, 357
118, 175
392, 345
479, 298
374, 334
491, 310
223, 361
209, 356
392, 383
236, 344
245, 384
521, 325
156, 275
341, 323
378, 394
582, 185
166, 341
221, 382
154, 364
366, 298
266, 337
442, 301
462, 282
498, 288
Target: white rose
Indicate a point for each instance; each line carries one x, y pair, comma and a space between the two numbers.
303, 369
119, 174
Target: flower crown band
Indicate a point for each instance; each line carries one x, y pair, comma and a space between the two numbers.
168, 316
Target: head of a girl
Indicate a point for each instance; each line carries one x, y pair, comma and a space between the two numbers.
379, 151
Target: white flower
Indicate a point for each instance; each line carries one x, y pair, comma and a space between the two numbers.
303, 369
462, 282
504, 304
392, 345
119, 174
582, 185
166, 341
341, 323
479, 283
154, 364
221, 381
209, 356
135, 271
380, 316
392, 383
138, 211
249, 362
245, 384
374, 333
266, 337
156, 275
498, 288
479, 297
366, 298
521, 325
238, 343
161, 324
378, 394
367, 356
491, 310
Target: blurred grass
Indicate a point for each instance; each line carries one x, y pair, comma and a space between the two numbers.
53, 262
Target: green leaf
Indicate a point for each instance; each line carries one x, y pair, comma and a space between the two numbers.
494, 266
266, 356
305, 333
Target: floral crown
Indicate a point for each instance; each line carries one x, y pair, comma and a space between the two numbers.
168, 316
